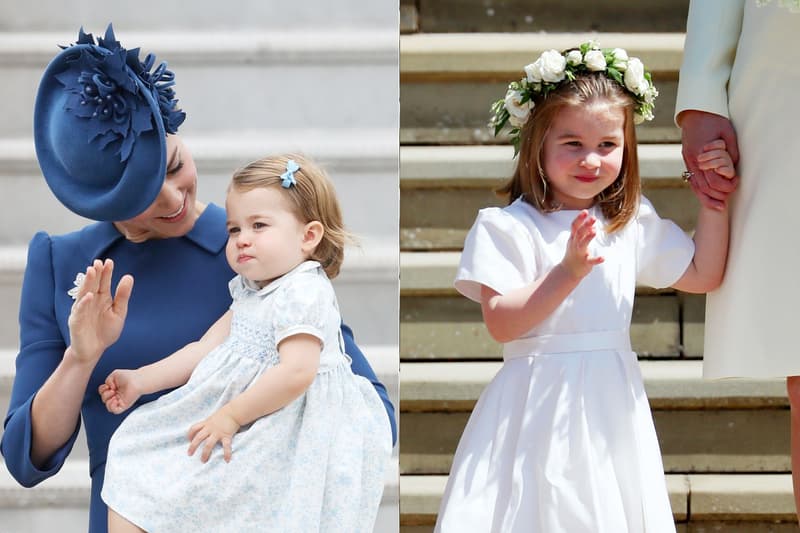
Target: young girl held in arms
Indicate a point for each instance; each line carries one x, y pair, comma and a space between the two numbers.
562, 439
288, 438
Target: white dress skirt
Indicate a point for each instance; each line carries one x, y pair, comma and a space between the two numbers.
316, 465
562, 439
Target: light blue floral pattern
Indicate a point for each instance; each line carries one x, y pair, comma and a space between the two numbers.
317, 465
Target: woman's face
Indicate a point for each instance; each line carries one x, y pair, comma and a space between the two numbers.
175, 210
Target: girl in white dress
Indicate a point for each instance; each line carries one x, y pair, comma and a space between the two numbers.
562, 439
287, 438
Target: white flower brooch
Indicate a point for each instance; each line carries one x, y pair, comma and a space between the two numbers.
78, 282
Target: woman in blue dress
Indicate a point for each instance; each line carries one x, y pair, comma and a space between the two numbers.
105, 127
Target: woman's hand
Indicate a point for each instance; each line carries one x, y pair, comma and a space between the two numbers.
577, 260
96, 319
120, 391
698, 130
219, 427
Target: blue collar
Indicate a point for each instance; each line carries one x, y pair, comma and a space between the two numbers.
208, 233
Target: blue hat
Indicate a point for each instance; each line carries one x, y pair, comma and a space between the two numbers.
100, 124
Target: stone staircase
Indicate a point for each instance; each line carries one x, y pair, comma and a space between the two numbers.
725, 444
255, 78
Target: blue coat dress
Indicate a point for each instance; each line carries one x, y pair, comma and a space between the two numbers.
180, 289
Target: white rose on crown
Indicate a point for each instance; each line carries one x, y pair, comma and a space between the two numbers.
634, 76
620, 59
595, 60
550, 67
517, 111
574, 58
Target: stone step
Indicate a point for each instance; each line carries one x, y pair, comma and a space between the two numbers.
701, 503
451, 328
703, 426
64, 500
449, 81
268, 17
366, 289
234, 81
675, 385
435, 178
361, 163
546, 16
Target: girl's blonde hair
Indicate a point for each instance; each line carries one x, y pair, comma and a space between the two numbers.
313, 198
619, 201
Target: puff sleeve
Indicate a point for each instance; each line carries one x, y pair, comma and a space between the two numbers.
303, 306
663, 250
41, 350
498, 252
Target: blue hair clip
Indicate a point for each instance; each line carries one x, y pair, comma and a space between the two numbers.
288, 176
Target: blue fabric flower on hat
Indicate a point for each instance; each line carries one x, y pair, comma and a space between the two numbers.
287, 178
102, 82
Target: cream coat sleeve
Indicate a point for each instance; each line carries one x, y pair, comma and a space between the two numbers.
712, 34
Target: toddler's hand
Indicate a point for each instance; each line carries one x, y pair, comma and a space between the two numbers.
219, 427
120, 390
577, 260
715, 157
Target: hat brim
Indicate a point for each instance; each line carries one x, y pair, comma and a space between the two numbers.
88, 179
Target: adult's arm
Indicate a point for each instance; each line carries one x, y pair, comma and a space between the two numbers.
701, 108
35, 447
361, 367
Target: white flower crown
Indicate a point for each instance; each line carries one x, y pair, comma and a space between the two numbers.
554, 68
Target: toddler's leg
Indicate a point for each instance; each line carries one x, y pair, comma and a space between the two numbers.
117, 524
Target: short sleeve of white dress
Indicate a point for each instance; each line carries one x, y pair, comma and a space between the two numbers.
663, 250
498, 252
302, 305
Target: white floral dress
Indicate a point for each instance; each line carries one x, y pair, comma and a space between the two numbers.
316, 465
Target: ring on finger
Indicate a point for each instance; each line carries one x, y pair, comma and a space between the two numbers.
687, 175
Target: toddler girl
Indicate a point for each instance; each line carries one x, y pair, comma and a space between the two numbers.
562, 439
269, 430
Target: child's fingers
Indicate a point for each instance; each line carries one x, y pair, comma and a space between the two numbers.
578, 221
106, 394
714, 154
227, 449
117, 406
197, 434
718, 144
714, 159
208, 448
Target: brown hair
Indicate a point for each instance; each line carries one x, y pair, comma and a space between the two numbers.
619, 201
313, 197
